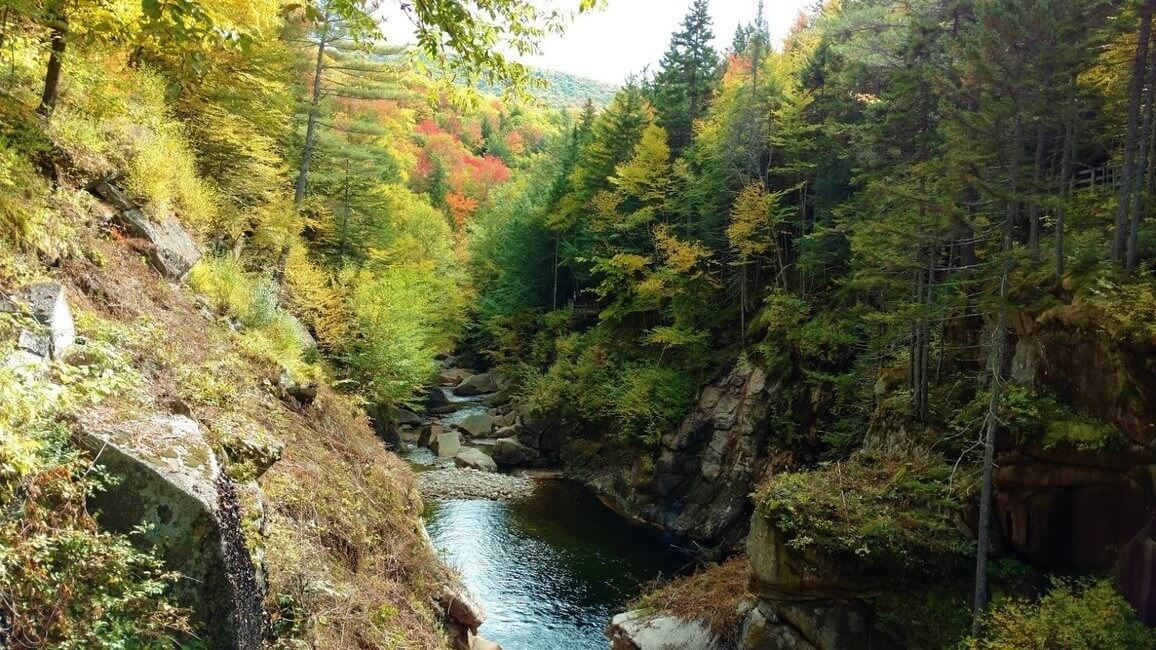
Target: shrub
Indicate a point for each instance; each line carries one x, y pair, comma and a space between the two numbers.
1084, 614
711, 595
891, 515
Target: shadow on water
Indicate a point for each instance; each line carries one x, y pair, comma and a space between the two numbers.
551, 569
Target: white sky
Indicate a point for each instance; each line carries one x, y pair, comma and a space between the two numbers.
630, 34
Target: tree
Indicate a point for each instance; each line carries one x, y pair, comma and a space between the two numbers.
687, 76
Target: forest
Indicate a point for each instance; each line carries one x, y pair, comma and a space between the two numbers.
922, 226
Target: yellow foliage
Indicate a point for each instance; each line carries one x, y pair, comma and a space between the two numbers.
314, 296
680, 256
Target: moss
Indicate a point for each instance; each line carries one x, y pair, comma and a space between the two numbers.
892, 516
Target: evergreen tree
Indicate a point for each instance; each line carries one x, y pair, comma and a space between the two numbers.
687, 76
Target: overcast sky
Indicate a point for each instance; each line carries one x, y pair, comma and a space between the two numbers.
629, 34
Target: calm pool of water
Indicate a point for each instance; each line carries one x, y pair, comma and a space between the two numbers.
551, 570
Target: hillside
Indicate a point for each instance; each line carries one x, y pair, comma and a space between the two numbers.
562, 89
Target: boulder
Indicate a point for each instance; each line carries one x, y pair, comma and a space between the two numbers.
172, 250
438, 398
453, 376
505, 420
511, 453
46, 303
250, 449
169, 479
479, 642
462, 615
475, 459
406, 417
303, 391
477, 385
428, 434
496, 400
636, 630
477, 425
447, 444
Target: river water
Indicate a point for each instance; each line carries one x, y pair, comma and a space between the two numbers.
551, 569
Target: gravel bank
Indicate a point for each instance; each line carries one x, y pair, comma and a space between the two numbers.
465, 483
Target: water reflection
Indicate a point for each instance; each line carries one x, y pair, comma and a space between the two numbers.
551, 569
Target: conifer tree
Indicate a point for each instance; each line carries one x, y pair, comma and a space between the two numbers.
687, 76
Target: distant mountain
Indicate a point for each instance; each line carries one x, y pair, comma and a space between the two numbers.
564, 89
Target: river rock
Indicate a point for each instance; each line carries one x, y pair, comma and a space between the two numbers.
477, 425
406, 417
169, 478
453, 376
475, 459
477, 385
505, 420
447, 444
428, 434
511, 453
636, 630
172, 250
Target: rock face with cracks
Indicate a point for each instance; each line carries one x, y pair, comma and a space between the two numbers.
169, 478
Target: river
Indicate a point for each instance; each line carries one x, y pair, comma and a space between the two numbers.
551, 569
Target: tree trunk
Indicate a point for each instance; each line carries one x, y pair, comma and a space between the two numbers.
995, 366
1139, 66
1065, 188
1143, 149
58, 20
1034, 208
311, 126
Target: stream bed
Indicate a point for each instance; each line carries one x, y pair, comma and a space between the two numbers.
551, 569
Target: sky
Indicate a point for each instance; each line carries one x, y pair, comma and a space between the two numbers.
628, 35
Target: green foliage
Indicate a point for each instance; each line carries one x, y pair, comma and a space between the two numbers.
62, 582
892, 516
1076, 614
1040, 418
268, 332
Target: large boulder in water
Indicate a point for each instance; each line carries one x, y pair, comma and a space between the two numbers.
475, 459
477, 385
637, 630
447, 444
477, 425
168, 478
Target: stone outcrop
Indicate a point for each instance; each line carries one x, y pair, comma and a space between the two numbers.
171, 250
637, 630
804, 602
1069, 509
475, 459
169, 478
45, 302
707, 468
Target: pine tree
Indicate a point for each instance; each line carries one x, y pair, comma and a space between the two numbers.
687, 76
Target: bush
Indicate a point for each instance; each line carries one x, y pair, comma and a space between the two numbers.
271, 334
1074, 615
890, 515
63, 583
